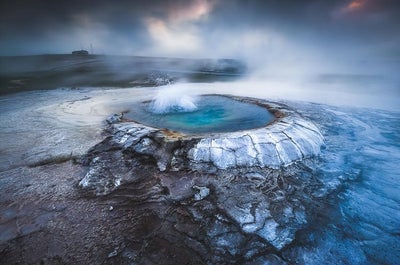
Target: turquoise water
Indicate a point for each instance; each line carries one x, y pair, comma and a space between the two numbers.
213, 114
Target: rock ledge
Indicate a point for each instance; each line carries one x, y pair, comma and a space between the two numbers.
289, 138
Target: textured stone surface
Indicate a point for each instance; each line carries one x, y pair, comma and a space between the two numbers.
316, 210
216, 170
290, 138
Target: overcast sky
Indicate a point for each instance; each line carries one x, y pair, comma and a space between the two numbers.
203, 28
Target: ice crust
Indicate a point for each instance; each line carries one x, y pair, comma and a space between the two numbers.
289, 139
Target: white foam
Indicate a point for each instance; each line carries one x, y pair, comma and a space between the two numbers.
173, 99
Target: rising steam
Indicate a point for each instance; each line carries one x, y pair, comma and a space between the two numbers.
173, 99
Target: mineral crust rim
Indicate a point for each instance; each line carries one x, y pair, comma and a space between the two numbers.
288, 138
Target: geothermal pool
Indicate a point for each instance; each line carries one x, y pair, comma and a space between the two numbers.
205, 114
358, 223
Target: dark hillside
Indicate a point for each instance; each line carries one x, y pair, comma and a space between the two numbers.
21, 73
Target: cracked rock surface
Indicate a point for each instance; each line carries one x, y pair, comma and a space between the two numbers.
224, 217
194, 186
289, 138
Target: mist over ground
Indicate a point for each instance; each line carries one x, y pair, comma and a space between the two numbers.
255, 30
297, 49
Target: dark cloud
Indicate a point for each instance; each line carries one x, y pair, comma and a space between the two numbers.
206, 27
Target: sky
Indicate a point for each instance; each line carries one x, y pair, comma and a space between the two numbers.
302, 47
276, 29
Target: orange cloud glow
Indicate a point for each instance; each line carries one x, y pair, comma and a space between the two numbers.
178, 32
195, 10
172, 38
355, 5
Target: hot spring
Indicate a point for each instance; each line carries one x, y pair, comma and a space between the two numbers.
218, 131
205, 114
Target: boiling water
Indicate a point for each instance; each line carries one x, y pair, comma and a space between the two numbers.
207, 115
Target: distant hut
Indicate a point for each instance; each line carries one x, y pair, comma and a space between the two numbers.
80, 52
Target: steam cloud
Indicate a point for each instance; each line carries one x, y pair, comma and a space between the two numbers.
173, 99
288, 40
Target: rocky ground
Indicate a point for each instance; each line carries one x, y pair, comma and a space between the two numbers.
338, 208
177, 218
130, 212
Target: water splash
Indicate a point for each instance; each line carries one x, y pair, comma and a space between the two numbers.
173, 99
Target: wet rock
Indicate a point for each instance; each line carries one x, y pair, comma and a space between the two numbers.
278, 237
288, 139
228, 243
267, 259
113, 253
202, 192
106, 173
115, 118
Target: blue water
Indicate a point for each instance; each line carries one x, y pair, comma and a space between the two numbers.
360, 223
213, 114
